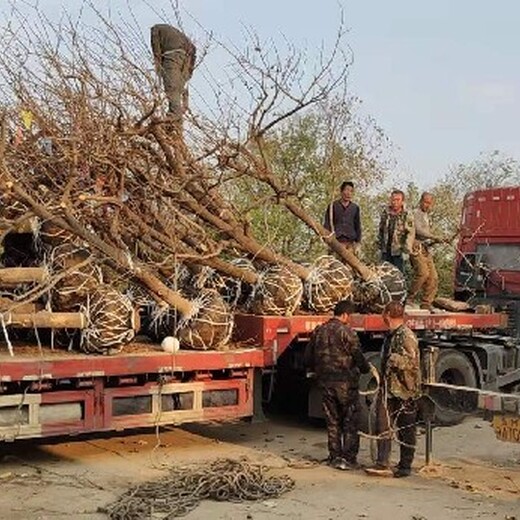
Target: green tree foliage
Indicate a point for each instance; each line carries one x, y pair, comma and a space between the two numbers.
313, 153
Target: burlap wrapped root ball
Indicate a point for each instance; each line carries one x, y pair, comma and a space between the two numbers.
209, 324
111, 321
329, 282
82, 279
388, 284
278, 292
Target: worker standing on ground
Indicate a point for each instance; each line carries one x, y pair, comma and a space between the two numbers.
396, 402
174, 57
334, 355
343, 218
396, 231
425, 277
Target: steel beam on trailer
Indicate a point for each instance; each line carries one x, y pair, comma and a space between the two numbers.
56, 366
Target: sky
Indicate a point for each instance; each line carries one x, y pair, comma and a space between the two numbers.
441, 78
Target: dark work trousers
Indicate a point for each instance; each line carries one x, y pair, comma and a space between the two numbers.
396, 260
398, 415
342, 410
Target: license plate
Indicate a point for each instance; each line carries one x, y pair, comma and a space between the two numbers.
507, 427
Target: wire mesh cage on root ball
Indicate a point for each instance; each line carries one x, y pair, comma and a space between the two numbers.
329, 282
83, 277
278, 292
209, 324
111, 321
388, 284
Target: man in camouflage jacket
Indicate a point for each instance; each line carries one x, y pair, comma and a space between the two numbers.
396, 404
396, 231
334, 355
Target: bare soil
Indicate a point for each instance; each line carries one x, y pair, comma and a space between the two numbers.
473, 476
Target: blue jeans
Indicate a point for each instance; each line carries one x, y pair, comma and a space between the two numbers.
396, 260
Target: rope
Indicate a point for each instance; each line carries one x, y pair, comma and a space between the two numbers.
182, 490
375, 374
392, 430
6, 335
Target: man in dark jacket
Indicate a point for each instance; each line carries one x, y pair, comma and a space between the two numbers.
343, 218
396, 404
334, 355
174, 56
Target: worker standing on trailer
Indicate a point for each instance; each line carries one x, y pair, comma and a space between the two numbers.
343, 218
334, 355
425, 277
396, 231
174, 56
397, 399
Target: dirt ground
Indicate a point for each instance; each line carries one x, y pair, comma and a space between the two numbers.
474, 475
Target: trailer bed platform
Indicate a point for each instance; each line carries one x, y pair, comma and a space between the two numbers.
33, 364
276, 333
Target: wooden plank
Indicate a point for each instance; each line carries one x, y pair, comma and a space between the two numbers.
16, 275
46, 320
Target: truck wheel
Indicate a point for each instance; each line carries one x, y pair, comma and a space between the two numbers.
453, 368
367, 383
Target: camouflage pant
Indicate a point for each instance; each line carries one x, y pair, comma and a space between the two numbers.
342, 410
175, 74
393, 414
425, 277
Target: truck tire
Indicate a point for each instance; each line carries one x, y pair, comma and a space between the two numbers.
453, 368
367, 383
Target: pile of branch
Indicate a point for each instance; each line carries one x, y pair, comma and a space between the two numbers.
127, 203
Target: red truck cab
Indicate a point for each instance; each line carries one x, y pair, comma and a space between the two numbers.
487, 267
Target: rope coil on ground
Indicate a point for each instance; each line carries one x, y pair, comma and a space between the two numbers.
185, 487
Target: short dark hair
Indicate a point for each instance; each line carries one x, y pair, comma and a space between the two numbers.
344, 307
398, 192
394, 310
426, 194
344, 184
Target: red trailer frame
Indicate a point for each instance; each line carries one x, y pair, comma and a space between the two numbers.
48, 392
276, 333
65, 393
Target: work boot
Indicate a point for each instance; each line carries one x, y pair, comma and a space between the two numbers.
353, 464
400, 472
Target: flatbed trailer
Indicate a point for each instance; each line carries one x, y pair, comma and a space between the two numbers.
50, 392
475, 351
45, 392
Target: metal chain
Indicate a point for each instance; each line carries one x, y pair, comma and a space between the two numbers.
185, 487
